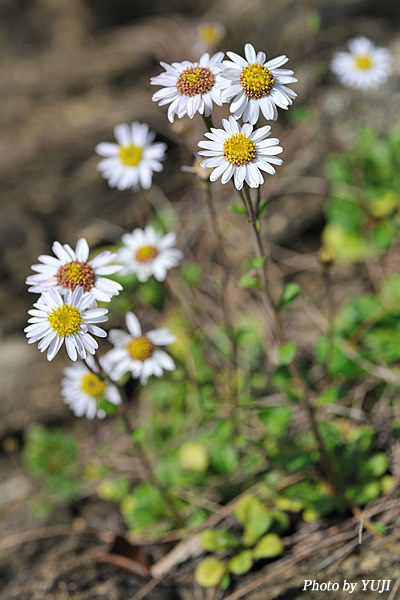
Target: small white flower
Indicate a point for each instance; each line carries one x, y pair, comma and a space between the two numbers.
70, 268
254, 84
208, 37
72, 318
147, 252
138, 353
241, 153
82, 387
201, 172
130, 163
190, 87
365, 66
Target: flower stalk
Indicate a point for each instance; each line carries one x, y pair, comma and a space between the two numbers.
255, 225
140, 453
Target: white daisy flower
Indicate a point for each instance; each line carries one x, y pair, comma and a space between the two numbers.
255, 85
239, 152
190, 87
208, 37
130, 163
138, 353
82, 387
70, 268
147, 252
365, 66
72, 318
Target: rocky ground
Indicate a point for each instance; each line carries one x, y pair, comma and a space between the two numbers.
70, 70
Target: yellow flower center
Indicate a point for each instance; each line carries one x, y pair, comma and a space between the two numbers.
76, 273
256, 80
239, 149
194, 80
363, 62
210, 34
131, 155
146, 254
65, 320
92, 385
141, 348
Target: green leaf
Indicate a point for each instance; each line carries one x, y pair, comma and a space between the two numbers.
263, 206
237, 208
224, 456
287, 353
114, 489
251, 279
379, 527
225, 582
269, 546
209, 572
288, 504
387, 483
108, 407
139, 435
346, 246
193, 456
254, 517
258, 262
374, 467
281, 521
276, 419
300, 114
289, 294
214, 540
241, 563
310, 515
362, 494
329, 396
313, 22
191, 273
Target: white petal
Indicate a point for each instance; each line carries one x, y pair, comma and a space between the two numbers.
82, 250
250, 53
71, 349
133, 325
122, 134
107, 149
164, 360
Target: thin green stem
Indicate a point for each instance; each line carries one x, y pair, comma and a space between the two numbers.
330, 298
293, 366
225, 307
140, 453
144, 459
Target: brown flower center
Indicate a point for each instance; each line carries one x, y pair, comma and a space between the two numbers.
76, 273
195, 80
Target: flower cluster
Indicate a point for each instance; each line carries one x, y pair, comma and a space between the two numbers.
253, 85
70, 284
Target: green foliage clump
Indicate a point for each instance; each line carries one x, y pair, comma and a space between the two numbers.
236, 555
363, 209
51, 456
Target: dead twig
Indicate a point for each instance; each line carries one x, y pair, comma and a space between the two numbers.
394, 590
53, 531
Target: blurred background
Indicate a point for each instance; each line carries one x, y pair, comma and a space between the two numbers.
72, 69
